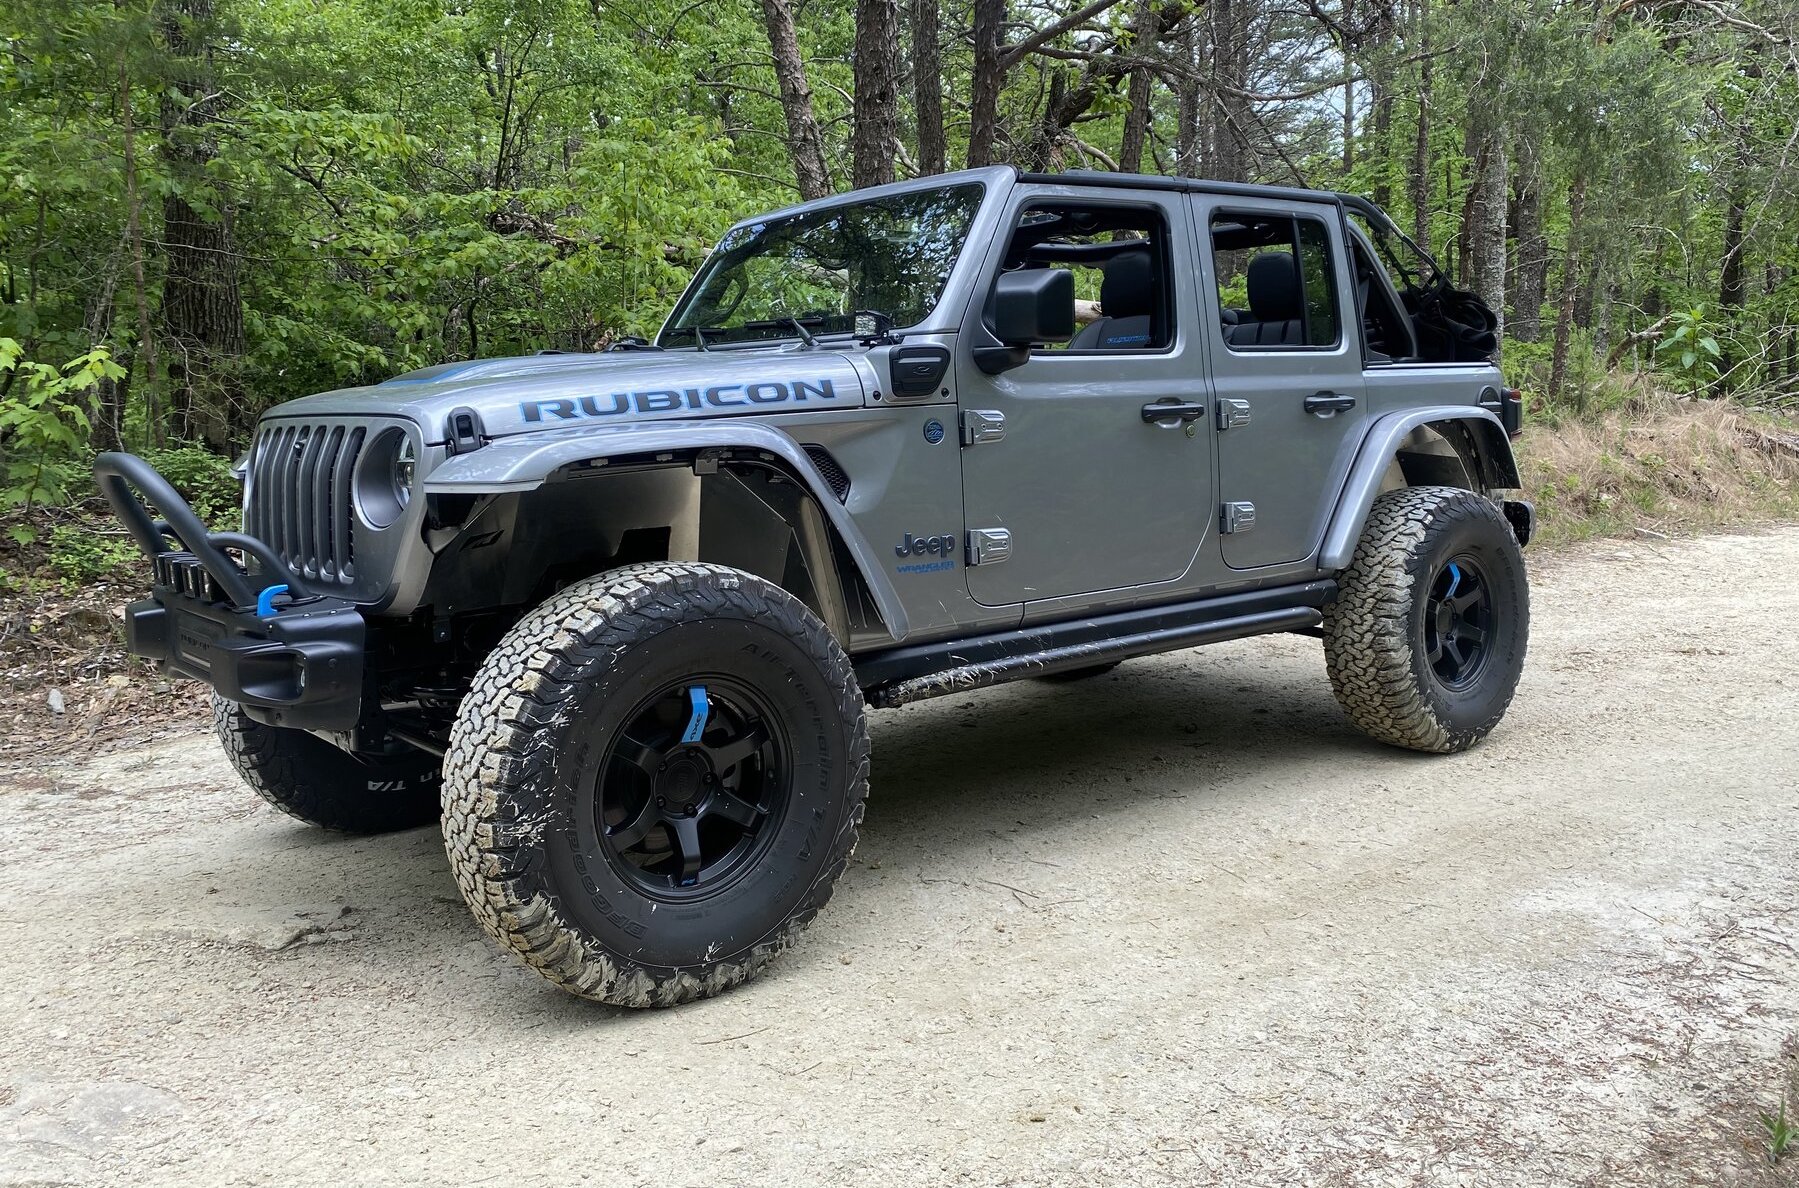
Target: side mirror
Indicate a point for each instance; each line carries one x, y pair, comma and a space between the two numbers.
1030, 306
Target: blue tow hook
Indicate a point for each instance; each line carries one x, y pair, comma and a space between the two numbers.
702, 709
265, 601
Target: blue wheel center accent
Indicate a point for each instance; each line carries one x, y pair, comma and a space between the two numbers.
702, 709
1455, 579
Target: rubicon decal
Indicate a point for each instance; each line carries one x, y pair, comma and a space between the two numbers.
660, 400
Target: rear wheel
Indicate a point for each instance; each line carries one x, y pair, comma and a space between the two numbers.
655, 781
1426, 640
309, 779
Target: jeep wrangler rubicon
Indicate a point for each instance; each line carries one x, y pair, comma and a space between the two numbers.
617, 617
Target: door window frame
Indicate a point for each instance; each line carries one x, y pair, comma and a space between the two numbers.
1331, 270
1164, 248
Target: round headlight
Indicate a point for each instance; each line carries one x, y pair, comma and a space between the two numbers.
385, 476
405, 469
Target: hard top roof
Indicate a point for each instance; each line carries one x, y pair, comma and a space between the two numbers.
1082, 177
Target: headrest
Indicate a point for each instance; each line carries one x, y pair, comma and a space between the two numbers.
1274, 293
1128, 287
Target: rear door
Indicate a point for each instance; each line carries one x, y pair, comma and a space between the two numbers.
1287, 368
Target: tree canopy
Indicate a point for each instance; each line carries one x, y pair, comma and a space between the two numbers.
212, 206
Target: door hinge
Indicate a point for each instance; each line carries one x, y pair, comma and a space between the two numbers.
1232, 413
1237, 517
981, 426
989, 546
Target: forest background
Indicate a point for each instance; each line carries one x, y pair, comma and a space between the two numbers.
213, 206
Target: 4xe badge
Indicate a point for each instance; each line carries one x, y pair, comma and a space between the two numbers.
943, 546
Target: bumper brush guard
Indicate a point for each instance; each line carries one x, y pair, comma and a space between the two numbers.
211, 618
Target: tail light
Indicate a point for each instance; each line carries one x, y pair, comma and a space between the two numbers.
1511, 411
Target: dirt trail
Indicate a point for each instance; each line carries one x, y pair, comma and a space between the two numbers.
1176, 925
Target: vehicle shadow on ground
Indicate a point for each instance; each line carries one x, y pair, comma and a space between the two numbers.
947, 776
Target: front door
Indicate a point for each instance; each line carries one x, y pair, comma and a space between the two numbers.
1069, 486
1286, 363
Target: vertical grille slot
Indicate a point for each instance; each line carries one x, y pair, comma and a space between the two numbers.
300, 496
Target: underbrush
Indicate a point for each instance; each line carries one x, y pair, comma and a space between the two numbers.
1659, 465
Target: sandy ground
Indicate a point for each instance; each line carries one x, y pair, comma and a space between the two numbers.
1176, 925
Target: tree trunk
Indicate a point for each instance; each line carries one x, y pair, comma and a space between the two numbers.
1187, 130
1532, 277
874, 139
1486, 272
1570, 282
805, 144
1421, 156
1348, 20
927, 88
108, 403
202, 310
1230, 111
1383, 146
1137, 113
144, 357
984, 84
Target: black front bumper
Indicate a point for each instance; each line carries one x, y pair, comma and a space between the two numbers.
297, 663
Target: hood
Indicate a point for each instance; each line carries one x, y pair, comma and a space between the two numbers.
536, 392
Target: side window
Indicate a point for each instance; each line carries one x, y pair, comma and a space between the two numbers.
1276, 282
1119, 257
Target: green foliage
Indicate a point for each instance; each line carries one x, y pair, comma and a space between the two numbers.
408, 182
44, 421
205, 481
1690, 353
1782, 1135
81, 555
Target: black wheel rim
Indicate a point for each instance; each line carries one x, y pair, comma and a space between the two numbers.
692, 788
1458, 623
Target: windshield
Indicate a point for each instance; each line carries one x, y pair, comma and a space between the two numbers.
890, 255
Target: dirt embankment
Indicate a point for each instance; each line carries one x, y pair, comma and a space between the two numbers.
1177, 925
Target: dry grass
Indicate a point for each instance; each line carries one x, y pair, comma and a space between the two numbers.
1661, 466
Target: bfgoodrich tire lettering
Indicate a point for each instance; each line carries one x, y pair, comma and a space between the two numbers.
309, 779
1378, 644
547, 711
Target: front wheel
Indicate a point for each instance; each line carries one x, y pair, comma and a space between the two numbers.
655, 781
1426, 640
312, 781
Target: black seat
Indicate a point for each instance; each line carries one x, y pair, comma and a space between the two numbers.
1127, 298
1276, 304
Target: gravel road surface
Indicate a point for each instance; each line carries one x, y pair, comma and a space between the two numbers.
1178, 924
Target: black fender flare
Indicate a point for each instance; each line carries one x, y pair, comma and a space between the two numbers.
528, 460
1499, 469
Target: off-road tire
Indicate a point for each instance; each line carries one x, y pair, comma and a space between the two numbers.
309, 779
526, 736
1374, 634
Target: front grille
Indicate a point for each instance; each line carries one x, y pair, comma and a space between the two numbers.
300, 496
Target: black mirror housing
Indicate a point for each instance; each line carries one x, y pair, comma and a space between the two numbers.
1033, 305
1030, 306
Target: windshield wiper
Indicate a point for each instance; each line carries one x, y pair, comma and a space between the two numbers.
799, 327
699, 334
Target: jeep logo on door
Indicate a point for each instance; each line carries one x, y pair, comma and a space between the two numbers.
942, 546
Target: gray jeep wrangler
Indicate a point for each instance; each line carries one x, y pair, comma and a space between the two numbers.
617, 617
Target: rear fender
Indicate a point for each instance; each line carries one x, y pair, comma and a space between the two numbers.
1483, 437
514, 465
